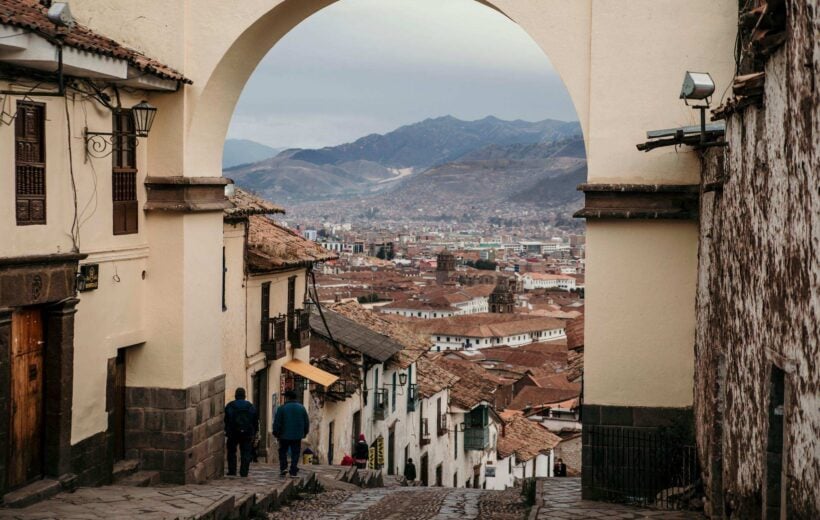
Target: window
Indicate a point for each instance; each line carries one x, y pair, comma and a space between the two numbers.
394, 391
291, 304
30, 163
124, 174
265, 309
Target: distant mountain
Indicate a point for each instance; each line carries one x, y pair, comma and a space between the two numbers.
381, 163
436, 141
243, 151
545, 174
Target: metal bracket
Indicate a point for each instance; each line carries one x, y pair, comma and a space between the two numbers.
101, 144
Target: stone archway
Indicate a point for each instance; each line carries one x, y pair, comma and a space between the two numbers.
565, 41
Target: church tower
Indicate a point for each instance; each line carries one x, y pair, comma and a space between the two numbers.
502, 299
445, 265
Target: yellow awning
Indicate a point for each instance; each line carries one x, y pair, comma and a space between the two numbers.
308, 371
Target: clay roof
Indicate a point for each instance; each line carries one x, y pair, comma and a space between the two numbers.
536, 397
421, 305
475, 383
557, 382
371, 333
272, 247
488, 325
432, 378
246, 204
31, 15
575, 332
525, 438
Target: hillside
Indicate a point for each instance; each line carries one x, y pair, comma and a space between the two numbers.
243, 151
379, 164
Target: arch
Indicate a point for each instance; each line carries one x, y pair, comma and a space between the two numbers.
225, 65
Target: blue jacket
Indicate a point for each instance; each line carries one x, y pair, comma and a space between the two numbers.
291, 422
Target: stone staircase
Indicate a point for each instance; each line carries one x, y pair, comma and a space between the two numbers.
127, 473
364, 478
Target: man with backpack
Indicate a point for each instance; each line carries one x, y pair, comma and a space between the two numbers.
241, 427
290, 425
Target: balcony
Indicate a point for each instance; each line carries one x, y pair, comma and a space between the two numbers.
412, 396
442, 424
273, 338
477, 438
380, 405
424, 439
300, 328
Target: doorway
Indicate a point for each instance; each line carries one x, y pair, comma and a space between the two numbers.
357, 429
425, 470
391, 447
330, 434
259, 381
26, 436
439, 476
775, 444
119, 406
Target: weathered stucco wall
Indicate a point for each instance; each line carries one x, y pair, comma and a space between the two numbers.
759, 286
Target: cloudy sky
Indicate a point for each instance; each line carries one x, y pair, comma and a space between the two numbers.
364, 66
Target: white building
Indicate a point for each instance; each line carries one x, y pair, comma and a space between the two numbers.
487, 330
548, 281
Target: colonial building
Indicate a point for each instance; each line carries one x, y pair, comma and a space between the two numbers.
266, 327
479, 331
548, 281
92, 285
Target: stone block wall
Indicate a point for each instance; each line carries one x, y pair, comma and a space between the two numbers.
178, 432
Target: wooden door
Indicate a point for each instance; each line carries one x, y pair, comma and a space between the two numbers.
26, 436
391, 448
119, 406
425, 470
357, 429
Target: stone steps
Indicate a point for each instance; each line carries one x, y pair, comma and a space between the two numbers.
139, 479
32, 493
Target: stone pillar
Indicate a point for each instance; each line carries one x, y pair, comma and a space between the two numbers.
58, 372
178, 432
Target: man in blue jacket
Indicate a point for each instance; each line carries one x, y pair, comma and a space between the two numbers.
290, 425
241, 426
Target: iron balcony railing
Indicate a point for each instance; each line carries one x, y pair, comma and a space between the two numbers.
442, 424
380, 405
300, 328
273, 338
412, 397
425, 433
476, 438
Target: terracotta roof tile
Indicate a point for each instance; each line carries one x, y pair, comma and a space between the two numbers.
246, 204
272, 247
475, 384
525, 438
31, 15
488, 325
536, 397
575, 332
432, 378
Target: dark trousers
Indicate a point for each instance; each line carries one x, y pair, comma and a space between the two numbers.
294, 447
245, 444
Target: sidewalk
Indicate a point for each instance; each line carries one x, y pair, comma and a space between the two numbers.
560, 498
228, 497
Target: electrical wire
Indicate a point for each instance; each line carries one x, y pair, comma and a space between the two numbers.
75, 225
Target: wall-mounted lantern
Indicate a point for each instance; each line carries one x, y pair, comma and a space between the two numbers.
101, 144
88, 277
402, 379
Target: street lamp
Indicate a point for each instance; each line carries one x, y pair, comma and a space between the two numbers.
101, 144
402, 379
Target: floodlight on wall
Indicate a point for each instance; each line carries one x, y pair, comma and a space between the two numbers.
60, 15
697, 86
101, 144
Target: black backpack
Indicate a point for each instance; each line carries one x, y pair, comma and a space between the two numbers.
243, 421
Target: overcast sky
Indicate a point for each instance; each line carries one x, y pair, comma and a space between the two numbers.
364, 66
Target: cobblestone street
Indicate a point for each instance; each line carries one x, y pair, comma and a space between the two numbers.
408, 503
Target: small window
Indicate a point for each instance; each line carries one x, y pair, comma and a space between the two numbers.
124, 174
30, 163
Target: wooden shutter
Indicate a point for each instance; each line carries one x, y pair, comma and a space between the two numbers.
124, 175
30, 163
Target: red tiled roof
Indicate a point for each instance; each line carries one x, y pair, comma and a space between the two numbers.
525, 438
488, 325
475, 383
31, 15
536, 397
272, 247
432, 378
575, 332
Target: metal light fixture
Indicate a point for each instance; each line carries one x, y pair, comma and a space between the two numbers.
144, 114
101, 144
697, 86
402, 379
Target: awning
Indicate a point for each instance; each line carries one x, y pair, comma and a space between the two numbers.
308, 371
